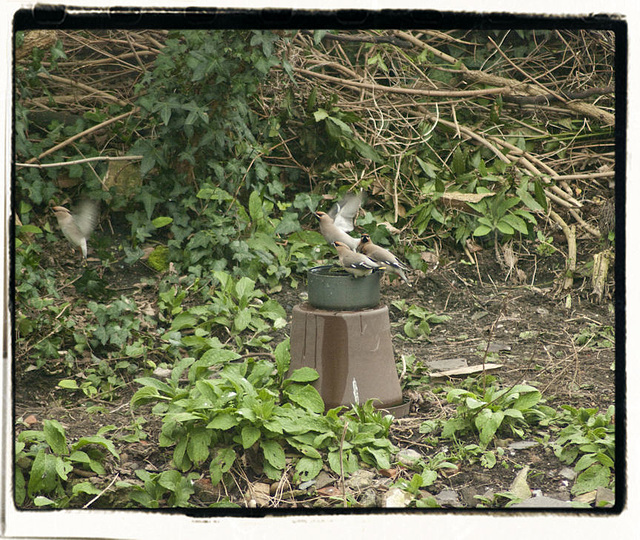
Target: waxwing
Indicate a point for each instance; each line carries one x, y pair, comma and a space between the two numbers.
355, 263
382, 256
77, 227
335, 224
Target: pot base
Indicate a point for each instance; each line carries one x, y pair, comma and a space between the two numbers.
352, 353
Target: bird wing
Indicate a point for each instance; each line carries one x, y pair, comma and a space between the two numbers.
85, 217
345, 211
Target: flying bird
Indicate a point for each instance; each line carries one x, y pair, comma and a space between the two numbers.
77, 227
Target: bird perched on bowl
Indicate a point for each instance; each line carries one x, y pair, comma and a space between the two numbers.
383, 257
355, 263
338, 222
77, 227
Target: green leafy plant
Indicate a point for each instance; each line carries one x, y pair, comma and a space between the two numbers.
418, 319
596, 336
517, 408
497, 215
45, 460
588, 442
250, 407
235, 306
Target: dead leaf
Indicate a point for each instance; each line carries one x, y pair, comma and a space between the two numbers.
519, 487
30, 420
330, 491
456, 199
472, 246
429, 257
465, 371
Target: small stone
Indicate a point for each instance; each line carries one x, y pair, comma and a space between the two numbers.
605, 497
305, 485
408, 456
162, 373
522, 445
497, 346
324, 479
519, 487
444, 365
542, 502
368, 498
586, 498
360, 479
448, 497
396, 498
568, 473
468, 495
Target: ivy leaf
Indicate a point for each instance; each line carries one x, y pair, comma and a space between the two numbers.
162, 221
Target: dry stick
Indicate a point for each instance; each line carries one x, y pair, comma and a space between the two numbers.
408, 91
78, 161
523, 72
395, 190
593, 232
102, 492
570, 235
84, 134
528, 161
509, 85
469, 133
344, 493
85, 87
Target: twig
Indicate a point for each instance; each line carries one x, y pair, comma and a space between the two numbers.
85, 87
102, 492
401, 90
78, 161
570, 235
344, 493
84, 133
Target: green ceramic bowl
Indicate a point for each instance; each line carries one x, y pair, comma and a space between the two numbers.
334, 289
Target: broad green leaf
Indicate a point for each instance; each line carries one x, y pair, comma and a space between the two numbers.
273, 453
307, 397
100, 441
282, 357
517, 223
504, 227
527, 400
68, 384
198, 447
304, 374
242, 320
249, 435
308, 468
255, 207
55, 437
223, 422
482, 230
488, 423
320, 115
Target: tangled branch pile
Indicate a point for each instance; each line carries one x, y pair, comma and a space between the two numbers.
391, 111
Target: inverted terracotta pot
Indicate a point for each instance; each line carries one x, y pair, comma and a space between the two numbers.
352, 353
334, 289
